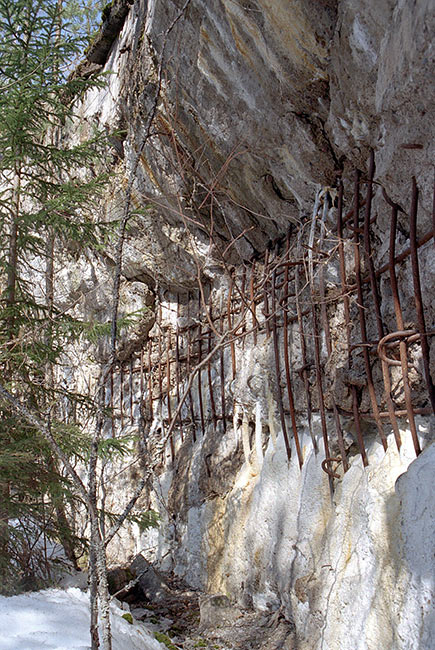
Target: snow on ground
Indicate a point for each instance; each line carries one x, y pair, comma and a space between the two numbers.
59, 620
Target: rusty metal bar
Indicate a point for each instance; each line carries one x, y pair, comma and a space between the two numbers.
326, 329
305, 365
346, 304
199, 340
362, 321
376, 299
400, 324
188, 340
318, 368
399, 413
201, 407
323, 312
367, 245
287, 361
112, 405
159, 349
404, 254
150, 379
252, 302
265, 296
121, 393
346, 308
350, 214
389, 402
277, 367
385, 267
433, 209
391, 339
141, 380
177, 366
392, 412
168, 390
210, 382
326, 466
230, 325
418, 299
131, 390
222, 371
242, 291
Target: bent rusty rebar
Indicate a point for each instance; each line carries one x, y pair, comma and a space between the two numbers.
326, 466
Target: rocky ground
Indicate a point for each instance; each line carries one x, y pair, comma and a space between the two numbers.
184, 619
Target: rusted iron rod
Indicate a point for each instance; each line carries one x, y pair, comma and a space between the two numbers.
159, 348
210, 382
121, 393
351, 213
265, 294
141, 370
385, 267
150, 379
388, 339
399, 413
433, 208
188, 368
168, 389
242, 291
400, 324
131, 390
230, 325
318, 368
321, 276
112, 417
326, 464
360, 230
367, 245
346, 305
278, 370
177, 366
404, 254
287, 362
288, 263
418, 299
326, 329
362, 319
201, 406
304, 371
222, 373
252, 303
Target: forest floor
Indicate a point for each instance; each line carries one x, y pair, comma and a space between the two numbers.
186, 620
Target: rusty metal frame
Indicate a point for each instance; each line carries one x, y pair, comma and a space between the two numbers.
184, 345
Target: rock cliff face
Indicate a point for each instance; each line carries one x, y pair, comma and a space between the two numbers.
240, 122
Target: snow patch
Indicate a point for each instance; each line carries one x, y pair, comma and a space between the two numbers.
59, 620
